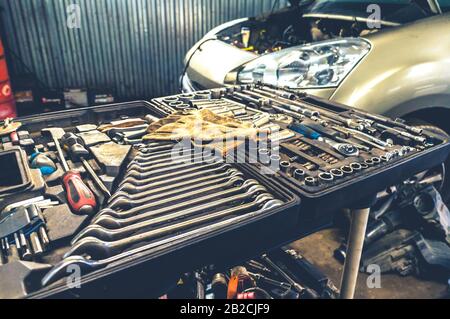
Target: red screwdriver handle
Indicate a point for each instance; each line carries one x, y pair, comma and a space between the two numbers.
80, 197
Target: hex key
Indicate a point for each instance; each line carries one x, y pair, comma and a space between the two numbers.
59, 270
102, 249
104, 233
125, 201
144, 211
134, 185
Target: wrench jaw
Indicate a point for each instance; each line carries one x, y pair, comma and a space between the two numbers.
98, 249
93, 247
124, 200
59, 271
105, 212
162, 172
102, 233
271, 204
205, 157
96, 231
178, 174
107, 221
160, 200
234, 181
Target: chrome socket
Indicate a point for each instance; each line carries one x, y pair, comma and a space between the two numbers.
355, 166
299, 174
376, 160
310, 181
337, 173
285, 167
326, 177
347, 170
264, 156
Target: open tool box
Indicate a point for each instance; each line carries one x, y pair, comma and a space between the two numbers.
331, 155
145, 214
45, 235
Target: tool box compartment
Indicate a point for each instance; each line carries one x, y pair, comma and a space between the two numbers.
106, 198
410, 150
160, 264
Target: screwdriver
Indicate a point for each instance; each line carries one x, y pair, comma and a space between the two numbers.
74, 145
80, 197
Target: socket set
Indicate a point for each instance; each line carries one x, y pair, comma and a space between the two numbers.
320, 148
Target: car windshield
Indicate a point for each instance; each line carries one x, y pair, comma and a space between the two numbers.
397, 11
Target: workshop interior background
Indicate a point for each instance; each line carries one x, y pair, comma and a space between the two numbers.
133, 49
125, 50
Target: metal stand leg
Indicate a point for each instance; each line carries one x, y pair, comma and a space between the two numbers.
354, 250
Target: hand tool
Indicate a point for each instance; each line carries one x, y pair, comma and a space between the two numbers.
19, 224
139, 213
167, 185
127, 228
133, 185
59, 270
121, 124
337, 173
240, 280
289, 106
387, 121
345, 149
291, 149
347, 170
310, 181
326, 177
173, 156
157, 200
100, 249
74, 145
183, 167
219, 285
303, 291
125, 201
79, 196
270, 282
195, 158
43, 163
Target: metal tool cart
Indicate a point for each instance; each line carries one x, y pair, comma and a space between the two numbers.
98, 190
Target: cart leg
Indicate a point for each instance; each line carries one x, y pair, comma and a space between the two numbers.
354, 250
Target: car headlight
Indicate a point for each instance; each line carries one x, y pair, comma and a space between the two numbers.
318, 65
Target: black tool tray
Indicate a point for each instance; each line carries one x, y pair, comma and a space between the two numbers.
341, 192
161, 267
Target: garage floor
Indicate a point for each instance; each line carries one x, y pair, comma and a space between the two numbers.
318, 249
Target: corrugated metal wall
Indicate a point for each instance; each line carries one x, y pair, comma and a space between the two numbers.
135, 47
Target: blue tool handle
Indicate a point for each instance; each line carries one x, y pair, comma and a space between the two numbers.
304, 130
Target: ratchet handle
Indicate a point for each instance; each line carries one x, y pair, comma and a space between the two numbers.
80, 197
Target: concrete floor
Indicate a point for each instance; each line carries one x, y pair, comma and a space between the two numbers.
318, 249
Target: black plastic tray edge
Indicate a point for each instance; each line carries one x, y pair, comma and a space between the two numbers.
286, 215
291, 208
80, 111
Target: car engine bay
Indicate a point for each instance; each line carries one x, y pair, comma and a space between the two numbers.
287, 28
